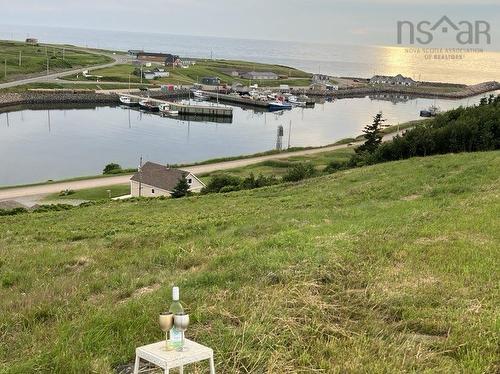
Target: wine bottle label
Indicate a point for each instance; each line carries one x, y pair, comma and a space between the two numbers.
175, 336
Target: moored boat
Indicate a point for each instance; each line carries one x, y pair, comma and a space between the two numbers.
167, 110
199, 94
279, 105
149, 105
127, 100
431, 112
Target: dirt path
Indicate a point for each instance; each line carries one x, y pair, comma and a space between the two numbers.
23, 192
18, 192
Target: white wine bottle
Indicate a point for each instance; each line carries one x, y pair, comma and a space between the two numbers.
176, 337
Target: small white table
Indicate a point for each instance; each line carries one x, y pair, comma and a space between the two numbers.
158, 355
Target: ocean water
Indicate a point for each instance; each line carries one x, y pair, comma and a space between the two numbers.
337, 60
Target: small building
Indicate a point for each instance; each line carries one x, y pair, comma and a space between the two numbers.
397, 80
134, 52
173, 61
210, 81
32, 41
320, 78
260, 75
154, 180
165, 58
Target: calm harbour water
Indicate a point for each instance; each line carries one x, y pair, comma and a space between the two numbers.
337, 60
37, 145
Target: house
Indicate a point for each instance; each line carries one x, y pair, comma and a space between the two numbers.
165, 58
134, 52
155, 180
32, 41
210, 81
173, 61
316, 78
397, 80
260, 75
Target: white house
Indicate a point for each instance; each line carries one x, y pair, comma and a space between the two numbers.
396, 80
155, 180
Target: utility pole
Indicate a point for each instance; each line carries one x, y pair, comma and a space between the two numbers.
20, 57
289, 133
5, 68
64, 50
140, 177
141, 73
48, 65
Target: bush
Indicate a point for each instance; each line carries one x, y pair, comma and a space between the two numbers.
335, 165
219, 181
112, 169
298, 172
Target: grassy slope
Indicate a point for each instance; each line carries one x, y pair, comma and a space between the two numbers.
204, 68
388, 268
34, 59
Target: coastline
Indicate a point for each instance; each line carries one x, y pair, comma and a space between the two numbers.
107, 97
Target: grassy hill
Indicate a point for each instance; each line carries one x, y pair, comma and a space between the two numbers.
387, 268
34, 58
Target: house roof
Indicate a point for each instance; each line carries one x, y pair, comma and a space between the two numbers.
159, 176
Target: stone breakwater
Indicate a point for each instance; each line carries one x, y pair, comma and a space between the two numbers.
52, 97
416, 91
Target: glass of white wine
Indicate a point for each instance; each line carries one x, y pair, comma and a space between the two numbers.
166, 321
181, 323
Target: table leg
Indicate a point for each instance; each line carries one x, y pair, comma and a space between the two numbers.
212, 365
136, 365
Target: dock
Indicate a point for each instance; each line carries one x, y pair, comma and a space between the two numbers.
237, 99
187, 109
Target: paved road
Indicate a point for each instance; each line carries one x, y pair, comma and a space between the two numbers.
22, 192
118, 59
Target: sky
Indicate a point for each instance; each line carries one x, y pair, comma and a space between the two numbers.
362, 22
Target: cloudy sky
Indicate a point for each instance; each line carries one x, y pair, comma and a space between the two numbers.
331, 21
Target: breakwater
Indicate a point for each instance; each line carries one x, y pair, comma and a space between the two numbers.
63, 97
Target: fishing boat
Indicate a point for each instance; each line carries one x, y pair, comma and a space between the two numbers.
149, 105
166, 109
431, 112
200, 95
279, 105
127, 100
295, 101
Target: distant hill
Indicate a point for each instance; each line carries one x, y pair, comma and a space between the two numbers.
386, 268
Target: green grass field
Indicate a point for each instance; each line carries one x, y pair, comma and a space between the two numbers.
34, 59
94, 194
390, 268
206, 68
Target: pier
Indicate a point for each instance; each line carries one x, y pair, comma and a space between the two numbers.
188, 109
237, 99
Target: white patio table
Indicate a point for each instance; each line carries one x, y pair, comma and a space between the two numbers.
158, 355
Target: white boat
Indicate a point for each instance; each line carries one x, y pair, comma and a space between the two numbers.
149, 105
279, 105
127, 100
199, 94
165, 109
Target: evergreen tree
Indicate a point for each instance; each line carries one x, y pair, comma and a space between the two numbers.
373, 135
181, 189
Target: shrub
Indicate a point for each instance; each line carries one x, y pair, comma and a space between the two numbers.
112, 169
298, 172
335, 165
219, 181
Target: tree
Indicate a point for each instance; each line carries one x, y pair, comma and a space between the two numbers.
112, 168
373, 135
181, 189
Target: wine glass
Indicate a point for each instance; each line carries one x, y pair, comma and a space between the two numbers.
181, 323
166, 322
